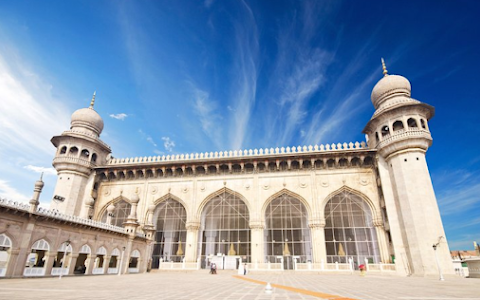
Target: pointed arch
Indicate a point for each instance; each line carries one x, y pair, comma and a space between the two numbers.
376, 214
173, 197
219, 192
98, 215
288, 193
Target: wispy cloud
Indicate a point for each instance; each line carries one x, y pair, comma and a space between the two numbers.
208, 116
120, 116
8, 192
36, 169
147, 137
245, 82
168, 143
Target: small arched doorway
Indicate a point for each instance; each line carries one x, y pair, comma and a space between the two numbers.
83, 260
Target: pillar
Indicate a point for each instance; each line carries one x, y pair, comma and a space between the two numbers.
12, 262
49, 262
191, 244
91, 263
106, 262
317, 230
382, 241
257, 242
73, 262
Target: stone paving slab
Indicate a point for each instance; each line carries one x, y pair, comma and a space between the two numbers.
228, 285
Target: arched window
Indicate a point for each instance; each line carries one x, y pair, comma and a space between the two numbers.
385, 130
412, 122
423, 124
85, 153
73, 151
225, 230
286, 231
133, 262
120, 213
349, 230
377, 139
295, 165
63, 150
94, 157
200, 170
169, 218
398, 125
283, 166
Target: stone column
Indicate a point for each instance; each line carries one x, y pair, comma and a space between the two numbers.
12, 262
25, 248
191, 244
73, 262
91, 263
257, 243
49, 262
382, 241
319, 249
110, 210
106, 262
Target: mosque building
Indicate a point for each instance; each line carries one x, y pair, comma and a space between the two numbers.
329, 207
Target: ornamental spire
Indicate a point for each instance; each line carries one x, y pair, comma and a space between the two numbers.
385, 72
93, 100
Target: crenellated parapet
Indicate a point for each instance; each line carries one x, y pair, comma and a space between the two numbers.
239, 154
353, 155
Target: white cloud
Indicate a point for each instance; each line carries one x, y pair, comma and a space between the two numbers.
46, 171
6, 191
168, 143
206, 110
151, 141
120, 116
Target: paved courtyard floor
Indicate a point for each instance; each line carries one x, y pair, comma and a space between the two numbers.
228, 285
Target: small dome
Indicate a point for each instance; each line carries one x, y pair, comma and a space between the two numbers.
87, 118
390, 86
135, 198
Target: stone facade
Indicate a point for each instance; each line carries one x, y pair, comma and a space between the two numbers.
324, 204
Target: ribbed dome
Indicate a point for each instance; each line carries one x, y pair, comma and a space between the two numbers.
87, 118
388, 87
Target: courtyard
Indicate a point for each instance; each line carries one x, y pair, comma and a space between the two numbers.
229, 285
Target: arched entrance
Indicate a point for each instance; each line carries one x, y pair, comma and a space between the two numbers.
349, 230
37, 260
83, 260
170, 233
287, 235
5, 247
224, 235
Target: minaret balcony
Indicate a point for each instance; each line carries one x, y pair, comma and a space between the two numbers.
403, 140
75, 164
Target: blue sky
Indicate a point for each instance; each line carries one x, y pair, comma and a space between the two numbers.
195, 76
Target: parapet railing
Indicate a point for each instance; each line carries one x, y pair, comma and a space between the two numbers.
240, 153
59, 216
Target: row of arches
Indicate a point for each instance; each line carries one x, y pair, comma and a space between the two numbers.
238, 168
224, 229
75, 152
67, 260
411, 123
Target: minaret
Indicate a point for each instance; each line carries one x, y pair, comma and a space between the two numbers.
34, 202
79, 150
399, 131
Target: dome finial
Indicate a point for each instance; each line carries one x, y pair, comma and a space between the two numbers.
93, 100
385, 72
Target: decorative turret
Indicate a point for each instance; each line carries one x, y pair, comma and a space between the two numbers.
399, 122
34, 202
399, 131
79, 150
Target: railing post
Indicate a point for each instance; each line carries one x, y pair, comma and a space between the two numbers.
336, 265
309, 265
381, 267
183, 263
322, 265
366, 264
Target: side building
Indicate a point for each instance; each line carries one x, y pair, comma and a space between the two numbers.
323, 208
